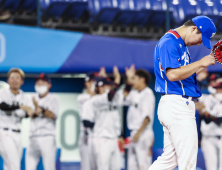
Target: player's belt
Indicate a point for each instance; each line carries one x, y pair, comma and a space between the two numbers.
13, 130
194, 99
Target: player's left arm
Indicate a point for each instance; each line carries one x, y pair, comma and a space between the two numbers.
148, 105
52, 110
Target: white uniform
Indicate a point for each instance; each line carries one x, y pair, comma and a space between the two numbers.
10, 126
211, 143
106, 131
83, 136
42, 141
141, 105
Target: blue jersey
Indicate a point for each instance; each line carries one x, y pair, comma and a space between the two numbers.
171, 52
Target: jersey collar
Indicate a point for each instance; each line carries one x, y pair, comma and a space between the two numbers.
177, 36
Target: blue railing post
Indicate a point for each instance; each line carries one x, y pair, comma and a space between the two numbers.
167, 16
38, 13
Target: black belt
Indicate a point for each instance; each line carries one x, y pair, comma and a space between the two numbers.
13, 130
218, 137
194, 99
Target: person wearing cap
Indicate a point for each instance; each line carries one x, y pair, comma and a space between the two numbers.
176, 81
42, 142
14, 106
210, 109
102, 116
84, 131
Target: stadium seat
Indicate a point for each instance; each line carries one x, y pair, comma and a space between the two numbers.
56, 9
187, 10
103, 11
127, 13
76, 11
144, 15
11, 4
29, 5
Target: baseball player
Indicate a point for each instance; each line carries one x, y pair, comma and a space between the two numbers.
210, 109
104, 118
14, 105
176, 81
84, 132
140, 118
42, 141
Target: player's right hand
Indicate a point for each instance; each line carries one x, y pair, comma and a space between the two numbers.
130, 72
208, 60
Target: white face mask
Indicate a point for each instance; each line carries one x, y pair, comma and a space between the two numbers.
41, 90
212, 90
219, 96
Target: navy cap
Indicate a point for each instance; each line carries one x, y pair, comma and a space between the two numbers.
43, 76
101, 81
213, 77
90, 76
207, 28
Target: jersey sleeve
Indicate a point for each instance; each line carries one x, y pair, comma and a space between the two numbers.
26, 101
148, 106
54, 105
169, 55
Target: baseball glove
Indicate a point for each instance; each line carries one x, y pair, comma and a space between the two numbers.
217, 51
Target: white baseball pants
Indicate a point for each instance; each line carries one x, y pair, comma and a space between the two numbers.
108, 156
11, 149
92, 155
139, 156
177, 115
41, 146
212, 151
84, 150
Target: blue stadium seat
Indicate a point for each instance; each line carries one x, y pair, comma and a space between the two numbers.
45, 4
11, 4
127, 13
103, 11
204, 9
144, 15
187, 10
56, 9
29, 5
76, 10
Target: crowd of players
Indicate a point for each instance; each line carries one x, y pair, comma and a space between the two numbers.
42, 108
101, 121
101, 138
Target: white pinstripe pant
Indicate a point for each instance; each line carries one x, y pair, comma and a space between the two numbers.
41, 146
10, 149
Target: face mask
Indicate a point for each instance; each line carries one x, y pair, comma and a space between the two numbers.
219, 96
212, 90
41, 90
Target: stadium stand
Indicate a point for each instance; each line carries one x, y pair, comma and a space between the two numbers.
138, 18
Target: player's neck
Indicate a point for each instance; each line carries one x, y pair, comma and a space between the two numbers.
14, 91
182, 32
44, 95
141, 88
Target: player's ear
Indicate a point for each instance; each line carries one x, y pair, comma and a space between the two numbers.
50, 85
22, 82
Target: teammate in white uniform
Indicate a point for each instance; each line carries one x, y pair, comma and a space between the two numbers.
84, 132
140, 118
107, 128
42, 142
14, 105
209, 106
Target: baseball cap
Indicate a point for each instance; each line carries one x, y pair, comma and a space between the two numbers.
90, 76
213, 77
207, 28
43, 76
101, 81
